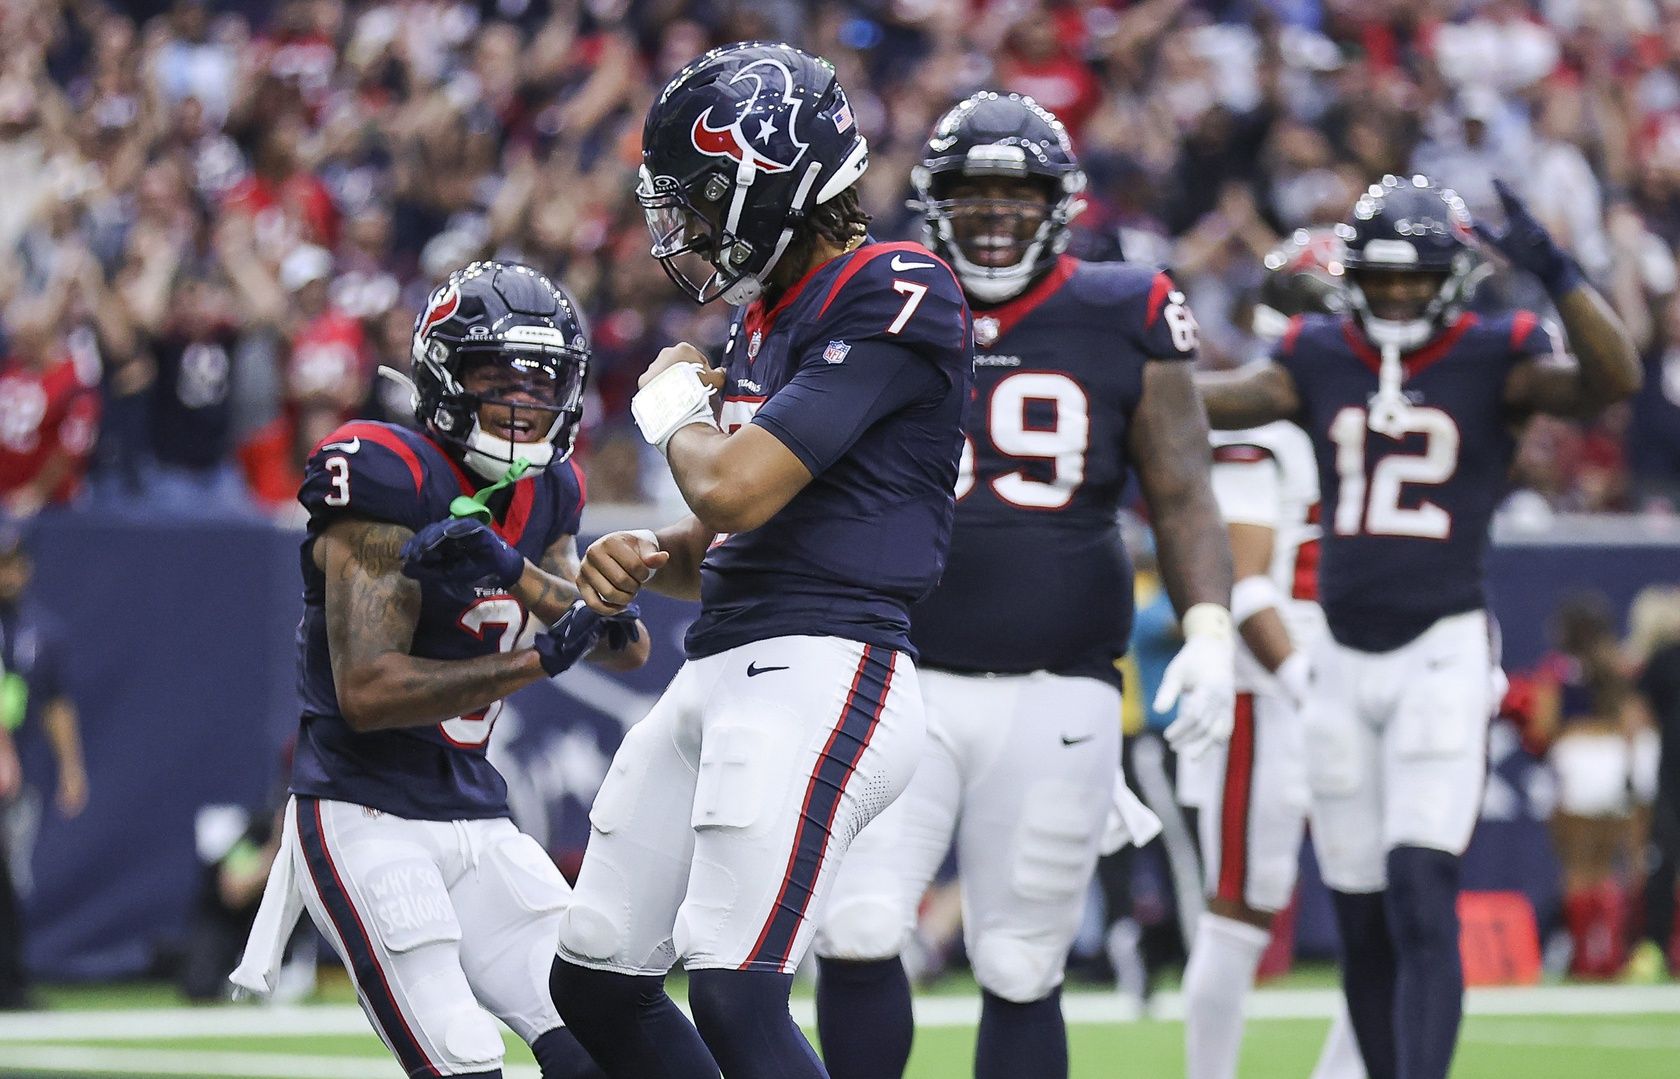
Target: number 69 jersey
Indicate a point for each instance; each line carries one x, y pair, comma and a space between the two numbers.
1406, 514
381, 472
1037, 578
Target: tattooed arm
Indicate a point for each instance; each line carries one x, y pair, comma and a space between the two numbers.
548, 590
372, 610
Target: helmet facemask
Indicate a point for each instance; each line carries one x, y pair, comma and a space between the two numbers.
996, 245
531, 385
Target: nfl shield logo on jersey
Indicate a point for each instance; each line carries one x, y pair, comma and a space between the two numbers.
985, 330
836, 351
753, 343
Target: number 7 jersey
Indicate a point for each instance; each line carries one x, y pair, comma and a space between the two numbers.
1406, 513
1037, 577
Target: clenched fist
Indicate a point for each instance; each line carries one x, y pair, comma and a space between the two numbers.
682, 352
616, 566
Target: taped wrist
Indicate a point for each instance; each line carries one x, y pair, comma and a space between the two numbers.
1207, 620
1251, 595
674, 399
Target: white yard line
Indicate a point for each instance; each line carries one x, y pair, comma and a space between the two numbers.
223, 1065
931, 1011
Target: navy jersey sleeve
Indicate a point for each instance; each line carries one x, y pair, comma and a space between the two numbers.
1528, 335
830, 403
365, 471
901, 294
570, 492
1160, 322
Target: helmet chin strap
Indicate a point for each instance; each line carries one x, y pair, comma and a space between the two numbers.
490, 455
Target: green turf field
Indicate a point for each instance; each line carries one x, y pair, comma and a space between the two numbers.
1557, 1033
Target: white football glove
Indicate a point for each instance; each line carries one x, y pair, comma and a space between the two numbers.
1294, 676
1201, 679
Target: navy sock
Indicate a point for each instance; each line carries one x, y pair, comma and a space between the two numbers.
560, 1056
1429, 988
863, 1018
628, 1024
1368, 969
743, 1015
1021, 1039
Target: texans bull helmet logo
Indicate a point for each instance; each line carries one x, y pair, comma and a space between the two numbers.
763, 132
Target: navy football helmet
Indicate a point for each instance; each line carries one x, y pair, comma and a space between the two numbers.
739, 147
1305, 274
998, 246
1410, 225
517, 320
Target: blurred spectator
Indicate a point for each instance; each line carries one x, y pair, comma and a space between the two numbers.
1654, 646
49, 408
32, 697
262, 186
1594, 724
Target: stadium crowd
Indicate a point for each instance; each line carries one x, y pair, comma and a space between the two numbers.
221, 215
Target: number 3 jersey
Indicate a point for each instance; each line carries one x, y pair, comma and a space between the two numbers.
1406, 512
1037, 577
435, 771
860, 369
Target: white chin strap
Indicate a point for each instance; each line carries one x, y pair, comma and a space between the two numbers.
490, 455
748, 288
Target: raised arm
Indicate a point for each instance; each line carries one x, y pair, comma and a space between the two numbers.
1605, 366
1603, 369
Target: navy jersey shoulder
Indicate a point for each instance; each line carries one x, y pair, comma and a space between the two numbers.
1407, 508
1038, 578
861, 370
385, 473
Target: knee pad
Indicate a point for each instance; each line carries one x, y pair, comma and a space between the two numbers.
471, 1039
869, 927
590, 933
1015, 970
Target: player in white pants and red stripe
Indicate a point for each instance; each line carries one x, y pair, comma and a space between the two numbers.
1253, 793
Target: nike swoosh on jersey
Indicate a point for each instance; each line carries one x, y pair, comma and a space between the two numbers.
1066, 741
899, 265
348, 447
754, 670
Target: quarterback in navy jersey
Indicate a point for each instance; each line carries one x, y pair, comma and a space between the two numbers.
1081, 370
1411, 403
820, 485
437, 579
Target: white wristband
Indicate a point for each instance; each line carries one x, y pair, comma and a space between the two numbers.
1251, 595
674, 399
1207, 619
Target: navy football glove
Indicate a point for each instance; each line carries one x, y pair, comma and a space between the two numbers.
1529, 246
579, 630
462, 551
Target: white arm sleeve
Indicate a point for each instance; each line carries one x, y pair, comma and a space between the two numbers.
1246, 485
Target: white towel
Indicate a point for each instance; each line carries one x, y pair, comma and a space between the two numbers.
1129, 820
277, 915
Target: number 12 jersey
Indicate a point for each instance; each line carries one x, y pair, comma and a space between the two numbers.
1406, 513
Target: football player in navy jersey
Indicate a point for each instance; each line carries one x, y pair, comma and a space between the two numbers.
1080, 372
1411, 403
437, 579
821, 497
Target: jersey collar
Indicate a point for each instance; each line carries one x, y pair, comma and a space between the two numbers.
1415, 361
